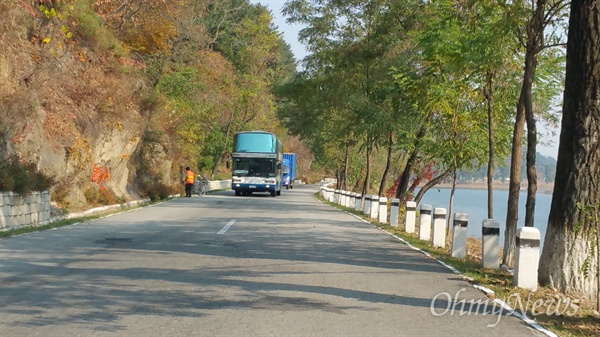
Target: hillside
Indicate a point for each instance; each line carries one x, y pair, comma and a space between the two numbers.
110, 100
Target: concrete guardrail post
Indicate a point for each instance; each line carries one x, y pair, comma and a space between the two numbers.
383, 210
439, 227
336, 196
527, 258
425, 223
459, 235
357, 202
394, 211
374, 206
410, 219
367, 206
490, 254
350, 199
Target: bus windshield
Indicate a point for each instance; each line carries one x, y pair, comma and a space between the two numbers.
254, 167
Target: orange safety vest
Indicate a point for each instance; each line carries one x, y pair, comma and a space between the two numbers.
189, 179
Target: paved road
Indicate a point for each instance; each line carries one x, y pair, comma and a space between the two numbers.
221, 265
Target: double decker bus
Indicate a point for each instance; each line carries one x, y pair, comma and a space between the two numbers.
256, 163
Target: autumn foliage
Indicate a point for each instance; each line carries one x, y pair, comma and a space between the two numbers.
112, 96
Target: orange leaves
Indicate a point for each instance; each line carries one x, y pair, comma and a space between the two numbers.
100, 175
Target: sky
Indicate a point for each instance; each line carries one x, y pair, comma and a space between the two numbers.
290, 35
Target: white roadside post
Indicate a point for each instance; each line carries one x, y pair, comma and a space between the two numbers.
336, 196
342, 198
350, 201
439, 227
357, 202
367, 206
394, 212
490, 254
411, 217
527, 258
383, 210
459, 235
374, 206
425, 223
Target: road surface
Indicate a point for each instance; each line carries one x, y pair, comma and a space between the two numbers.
221, 265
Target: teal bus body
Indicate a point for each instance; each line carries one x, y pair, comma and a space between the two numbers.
256, 163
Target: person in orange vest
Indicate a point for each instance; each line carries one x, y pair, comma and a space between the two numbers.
189, 181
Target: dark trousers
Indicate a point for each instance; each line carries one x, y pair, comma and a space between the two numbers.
188, 190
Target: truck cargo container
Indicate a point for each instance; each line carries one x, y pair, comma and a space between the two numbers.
289, 170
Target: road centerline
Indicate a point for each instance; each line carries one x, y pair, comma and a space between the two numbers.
226, 227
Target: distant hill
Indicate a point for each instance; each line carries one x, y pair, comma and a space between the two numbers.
545, 165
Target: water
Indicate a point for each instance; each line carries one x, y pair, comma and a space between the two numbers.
474, 203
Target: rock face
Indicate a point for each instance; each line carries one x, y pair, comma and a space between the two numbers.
72, 108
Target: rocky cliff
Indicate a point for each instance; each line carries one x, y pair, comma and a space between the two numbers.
72, 106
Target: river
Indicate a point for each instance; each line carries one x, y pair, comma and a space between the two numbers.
474, 203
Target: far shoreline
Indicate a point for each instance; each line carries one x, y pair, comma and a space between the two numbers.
543, 187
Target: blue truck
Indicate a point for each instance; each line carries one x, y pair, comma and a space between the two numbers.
289, 170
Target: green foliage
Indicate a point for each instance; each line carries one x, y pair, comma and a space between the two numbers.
180, 84
91, 29
22, 178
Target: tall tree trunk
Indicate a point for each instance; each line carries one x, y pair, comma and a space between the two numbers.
431, 184
488, 92
535, 34
388, 163
451, 203
571, 256
405, 178
365, 189
534, 39
531, 170
345, 173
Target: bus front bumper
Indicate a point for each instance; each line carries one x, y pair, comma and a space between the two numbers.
253, 187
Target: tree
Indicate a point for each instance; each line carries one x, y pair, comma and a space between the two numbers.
571, 256
542, 17
350, 44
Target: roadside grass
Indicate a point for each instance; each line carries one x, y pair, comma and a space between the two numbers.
564, 315
56, 224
